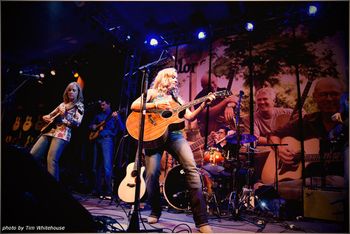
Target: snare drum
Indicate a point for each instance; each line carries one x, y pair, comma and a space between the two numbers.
175, 189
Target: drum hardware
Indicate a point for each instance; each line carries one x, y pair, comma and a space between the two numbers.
241, 139
175, 189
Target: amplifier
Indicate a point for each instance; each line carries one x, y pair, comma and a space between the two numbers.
324, 204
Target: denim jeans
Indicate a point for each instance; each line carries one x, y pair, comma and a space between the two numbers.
179, 148
55, 146
103, 160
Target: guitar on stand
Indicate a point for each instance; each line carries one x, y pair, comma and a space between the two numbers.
126, 189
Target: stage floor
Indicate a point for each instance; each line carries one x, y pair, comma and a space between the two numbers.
115, 214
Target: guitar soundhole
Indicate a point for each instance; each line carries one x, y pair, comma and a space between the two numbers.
167, 114
134, 173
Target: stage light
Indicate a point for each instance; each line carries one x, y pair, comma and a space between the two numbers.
76, 74
201, 35
53, 72
312, 10
42, 75
153, 42
249, 26
128, 37
20, 72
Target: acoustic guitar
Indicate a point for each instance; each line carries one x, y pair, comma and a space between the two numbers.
16, 124
27, 123
53, 121
127, 188
51, 124
159, 122
294, 171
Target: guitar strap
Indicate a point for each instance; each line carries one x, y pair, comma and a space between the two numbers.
175, 97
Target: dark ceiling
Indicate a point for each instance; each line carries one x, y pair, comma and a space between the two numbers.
93, 34
46, 30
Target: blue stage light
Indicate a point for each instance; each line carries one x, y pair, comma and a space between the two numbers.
201, 35
312, 10
249, 26
153, 42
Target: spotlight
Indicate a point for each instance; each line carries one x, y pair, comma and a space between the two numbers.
153, 42
249, 26
312, 10
42, 75
201, 35
128, 37
75, 74
53, 72
20, 72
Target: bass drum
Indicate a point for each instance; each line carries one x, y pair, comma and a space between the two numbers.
175, 189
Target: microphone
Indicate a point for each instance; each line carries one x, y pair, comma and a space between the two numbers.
241, 93
167, 53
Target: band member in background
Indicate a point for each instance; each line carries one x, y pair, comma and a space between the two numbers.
316, 126
162, 95
221, 111
266, 117
105, 126
67, 115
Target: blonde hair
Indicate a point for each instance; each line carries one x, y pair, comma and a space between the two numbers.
79, 98
270, 92
161, 82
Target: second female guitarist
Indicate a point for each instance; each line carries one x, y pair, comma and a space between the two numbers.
162, 96
57, 132
105, 126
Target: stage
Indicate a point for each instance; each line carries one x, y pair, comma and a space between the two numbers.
115, 215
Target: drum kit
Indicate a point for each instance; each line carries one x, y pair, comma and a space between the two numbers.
219, 174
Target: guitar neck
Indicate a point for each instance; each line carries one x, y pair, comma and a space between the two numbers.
200, 100
200, 142
326, 157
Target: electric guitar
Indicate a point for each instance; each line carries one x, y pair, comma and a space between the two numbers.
292, 172
126, 189
159, 122
99, 127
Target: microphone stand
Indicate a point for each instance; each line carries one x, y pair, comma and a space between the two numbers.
236, 206
134, 225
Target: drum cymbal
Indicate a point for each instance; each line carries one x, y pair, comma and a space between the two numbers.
245, 138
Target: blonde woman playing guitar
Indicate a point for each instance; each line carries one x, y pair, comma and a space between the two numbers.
165, 115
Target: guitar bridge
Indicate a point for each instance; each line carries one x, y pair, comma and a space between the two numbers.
153, 122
